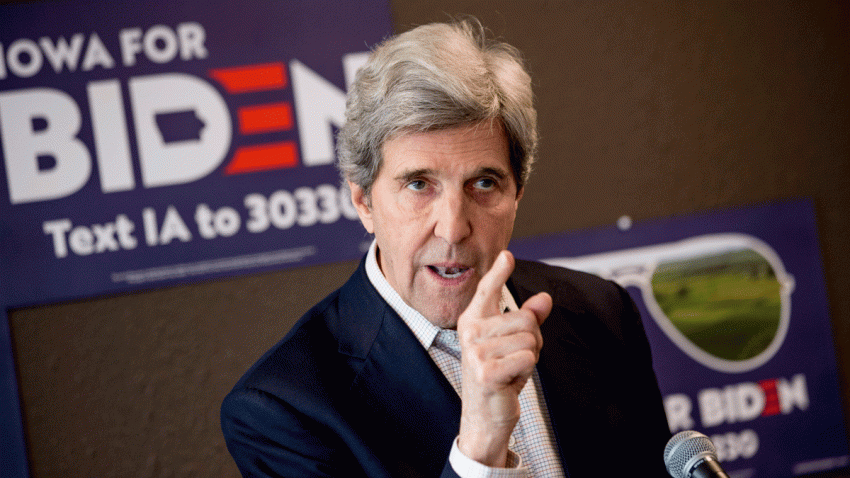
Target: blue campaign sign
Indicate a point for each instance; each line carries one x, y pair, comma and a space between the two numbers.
144, 145
735, 309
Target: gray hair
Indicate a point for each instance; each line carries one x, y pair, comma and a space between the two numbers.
434, 77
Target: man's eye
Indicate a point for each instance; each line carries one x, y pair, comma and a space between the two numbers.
417, 185
485, 184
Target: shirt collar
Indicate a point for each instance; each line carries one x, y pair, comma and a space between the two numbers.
421, 327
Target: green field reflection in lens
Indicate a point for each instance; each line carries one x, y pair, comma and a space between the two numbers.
726, 303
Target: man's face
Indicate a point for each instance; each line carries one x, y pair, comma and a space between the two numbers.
442, 208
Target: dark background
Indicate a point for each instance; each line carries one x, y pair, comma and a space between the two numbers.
646, 109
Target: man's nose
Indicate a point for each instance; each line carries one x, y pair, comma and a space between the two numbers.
452, 217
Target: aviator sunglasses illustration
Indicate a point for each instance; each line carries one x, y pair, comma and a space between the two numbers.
723, 299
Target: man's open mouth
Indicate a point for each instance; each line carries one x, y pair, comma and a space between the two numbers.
449, 272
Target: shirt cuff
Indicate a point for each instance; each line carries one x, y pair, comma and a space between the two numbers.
466, 467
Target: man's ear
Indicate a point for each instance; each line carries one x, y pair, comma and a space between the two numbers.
361, 203
519, 194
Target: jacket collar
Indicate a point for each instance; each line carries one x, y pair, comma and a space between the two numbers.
404, 391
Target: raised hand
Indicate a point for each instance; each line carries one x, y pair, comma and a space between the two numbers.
499, 352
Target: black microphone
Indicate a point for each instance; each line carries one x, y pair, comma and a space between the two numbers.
691, 454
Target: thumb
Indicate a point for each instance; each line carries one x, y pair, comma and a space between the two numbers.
540, 304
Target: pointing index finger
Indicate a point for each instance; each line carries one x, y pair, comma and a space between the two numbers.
485, 302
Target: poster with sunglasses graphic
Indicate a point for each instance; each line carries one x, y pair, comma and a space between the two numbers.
735, 308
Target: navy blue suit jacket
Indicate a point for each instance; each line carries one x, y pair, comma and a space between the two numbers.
350, 392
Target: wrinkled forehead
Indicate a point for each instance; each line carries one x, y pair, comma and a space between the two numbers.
459, 148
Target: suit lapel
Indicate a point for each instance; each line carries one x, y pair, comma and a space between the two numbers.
566, 374
411, 414
568, 381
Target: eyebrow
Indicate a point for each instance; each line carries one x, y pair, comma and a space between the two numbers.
412, 174
498, 172
407, 176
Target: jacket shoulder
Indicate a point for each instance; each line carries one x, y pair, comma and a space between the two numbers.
573, 290
331, 339
297, 361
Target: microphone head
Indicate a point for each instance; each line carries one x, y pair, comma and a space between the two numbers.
683, 451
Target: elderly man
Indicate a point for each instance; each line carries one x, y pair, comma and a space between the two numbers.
443, 354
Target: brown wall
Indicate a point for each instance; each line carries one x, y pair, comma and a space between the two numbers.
646, 109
